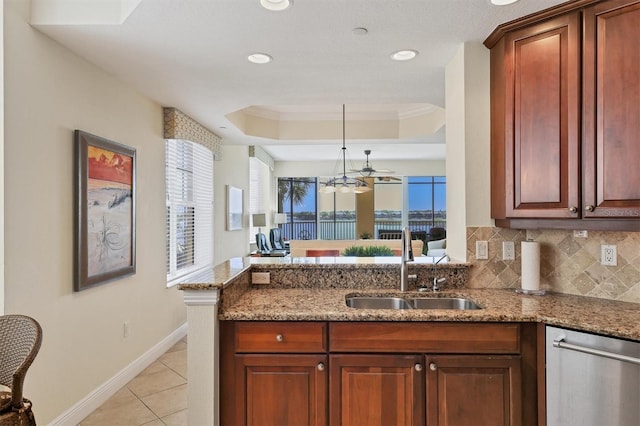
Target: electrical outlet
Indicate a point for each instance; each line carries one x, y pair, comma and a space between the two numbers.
508, 250
608, 255
260, 277
482, 250
580, 234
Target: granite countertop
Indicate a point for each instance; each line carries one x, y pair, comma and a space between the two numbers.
619, 319
254, 303
221, 275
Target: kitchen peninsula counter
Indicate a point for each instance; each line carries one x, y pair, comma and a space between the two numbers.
314, 290
612, 318
309, 303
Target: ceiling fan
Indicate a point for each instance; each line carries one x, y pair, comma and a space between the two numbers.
387, 178
367, 170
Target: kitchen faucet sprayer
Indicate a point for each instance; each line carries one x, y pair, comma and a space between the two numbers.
437, 280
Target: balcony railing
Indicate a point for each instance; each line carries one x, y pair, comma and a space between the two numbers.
346, 229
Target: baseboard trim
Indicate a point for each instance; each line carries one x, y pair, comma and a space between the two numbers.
87, 405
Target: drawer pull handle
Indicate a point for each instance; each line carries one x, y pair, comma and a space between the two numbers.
320, 366
433, 366
279, 338
589, 208
573, 209
418, 367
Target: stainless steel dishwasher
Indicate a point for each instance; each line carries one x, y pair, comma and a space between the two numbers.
591, 380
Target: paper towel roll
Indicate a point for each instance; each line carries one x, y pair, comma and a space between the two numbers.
530, 265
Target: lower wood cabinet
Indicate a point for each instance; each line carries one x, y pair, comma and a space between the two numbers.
281, 390
376, 390
473, 390
268, 376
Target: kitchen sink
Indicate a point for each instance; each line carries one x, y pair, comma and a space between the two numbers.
392, 302
444, 303
374, 302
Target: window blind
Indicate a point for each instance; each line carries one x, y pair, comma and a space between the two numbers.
259, 183
189, 208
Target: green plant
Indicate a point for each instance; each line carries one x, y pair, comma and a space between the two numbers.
368, 251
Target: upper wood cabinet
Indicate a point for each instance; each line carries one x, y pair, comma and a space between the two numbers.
565, 118
611, 110
542, 66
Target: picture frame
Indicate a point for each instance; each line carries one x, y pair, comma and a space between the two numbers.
234, 208
105, 217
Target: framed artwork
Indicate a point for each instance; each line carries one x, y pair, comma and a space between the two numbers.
234, 208
105, 219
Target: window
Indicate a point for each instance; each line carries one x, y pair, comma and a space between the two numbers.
427, 202
297, 199
259, 185
189, 208
425, 208
337, 216
387, 206
415, 201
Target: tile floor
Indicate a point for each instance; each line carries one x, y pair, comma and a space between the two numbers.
156, 397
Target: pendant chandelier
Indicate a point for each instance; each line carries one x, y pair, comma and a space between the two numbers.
344, 183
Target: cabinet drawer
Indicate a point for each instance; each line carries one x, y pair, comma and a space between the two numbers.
281, 337
431, 337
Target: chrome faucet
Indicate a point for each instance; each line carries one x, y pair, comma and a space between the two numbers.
437, 280
407, 256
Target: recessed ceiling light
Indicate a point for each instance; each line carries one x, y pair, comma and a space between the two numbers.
404, 55
503, 2
276, 5
259, 58
360, 31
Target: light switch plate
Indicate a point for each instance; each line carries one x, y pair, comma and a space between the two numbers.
482, 250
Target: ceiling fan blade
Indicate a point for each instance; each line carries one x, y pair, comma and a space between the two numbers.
388, 178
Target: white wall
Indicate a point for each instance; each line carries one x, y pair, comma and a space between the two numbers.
455, 137
2, 163
49, 92
478, 134
468, 145
232, 169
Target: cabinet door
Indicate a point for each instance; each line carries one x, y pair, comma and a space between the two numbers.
473, 390
542, 122
280, 390
611, 93
376, 390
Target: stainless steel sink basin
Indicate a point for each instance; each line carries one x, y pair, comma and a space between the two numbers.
444, 303
392, 302
375, 302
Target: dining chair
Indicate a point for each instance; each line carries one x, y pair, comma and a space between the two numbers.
20, 340
322, 252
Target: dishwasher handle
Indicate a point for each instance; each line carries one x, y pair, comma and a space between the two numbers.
560, 343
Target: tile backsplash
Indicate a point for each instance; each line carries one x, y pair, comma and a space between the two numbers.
568, 263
